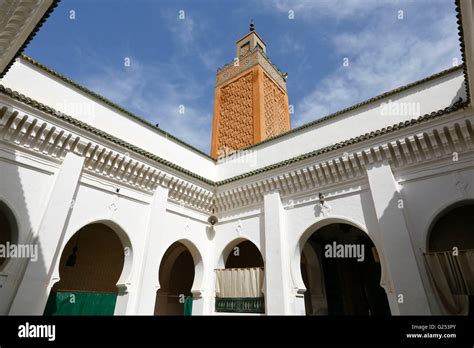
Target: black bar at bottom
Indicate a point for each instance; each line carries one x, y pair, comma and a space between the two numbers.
222, 330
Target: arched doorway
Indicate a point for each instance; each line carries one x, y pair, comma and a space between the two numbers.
239, 286
450, 258
244, 255
8, 231
89, 269
341, 272
177, 272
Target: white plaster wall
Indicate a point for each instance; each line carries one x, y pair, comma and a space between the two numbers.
232, 231
355, 208
431, 96
190, 229
302, 220
424, 197
245, 224
23, 189
427, 197
128, 218
25, 78
35, 83
22, 23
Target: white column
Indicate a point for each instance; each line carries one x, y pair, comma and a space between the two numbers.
32, 293
150, 271
200, 303
121, 305
276, 259
204, 298
397, 247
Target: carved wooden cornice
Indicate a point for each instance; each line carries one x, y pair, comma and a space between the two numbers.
20, 20
345, 164
123, 167
338, 164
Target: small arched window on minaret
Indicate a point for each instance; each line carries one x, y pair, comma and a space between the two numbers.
241, 115
244, 49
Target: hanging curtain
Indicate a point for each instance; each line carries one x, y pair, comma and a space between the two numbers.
239, 282
465, 261
240, 290
188, 306
453, 278
84, 303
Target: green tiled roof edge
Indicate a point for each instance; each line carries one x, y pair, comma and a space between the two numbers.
292, 131
463, 48
456, 106
39, 106
147, 154
112, 104
356, 106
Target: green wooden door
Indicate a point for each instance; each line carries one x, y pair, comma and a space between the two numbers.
80, 303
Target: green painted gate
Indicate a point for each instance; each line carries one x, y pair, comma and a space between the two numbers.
80, 303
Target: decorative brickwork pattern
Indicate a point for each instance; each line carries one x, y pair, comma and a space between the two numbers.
254, 57
236, 115
276, 110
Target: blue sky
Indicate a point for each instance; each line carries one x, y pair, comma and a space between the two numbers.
173, 61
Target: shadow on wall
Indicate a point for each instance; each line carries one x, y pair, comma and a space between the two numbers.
409, 294
460, 95
415, 281
19, 196
374, 232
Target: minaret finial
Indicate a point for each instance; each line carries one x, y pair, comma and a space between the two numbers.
252, 26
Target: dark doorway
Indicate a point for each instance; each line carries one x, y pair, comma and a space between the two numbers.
8, 230
244, 255
90, 267
341, 271
176, 280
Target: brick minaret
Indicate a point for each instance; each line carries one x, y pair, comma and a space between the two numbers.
250, 99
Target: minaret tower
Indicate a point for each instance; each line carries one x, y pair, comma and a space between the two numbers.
250, 99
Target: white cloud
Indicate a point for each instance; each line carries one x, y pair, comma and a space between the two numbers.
313, 9
156, 92
184, 30
386, 53
190, 35
291, 45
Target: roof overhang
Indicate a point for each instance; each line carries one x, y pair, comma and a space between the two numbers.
19, 22
248, 34
465, 9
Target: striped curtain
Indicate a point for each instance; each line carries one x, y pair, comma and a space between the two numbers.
453, 278
239, 282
